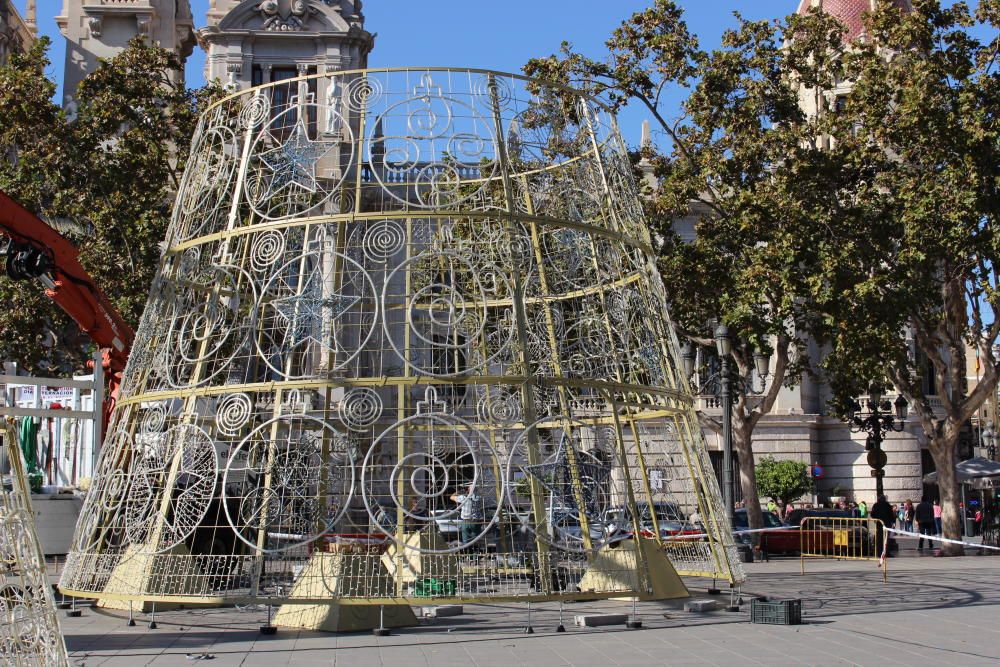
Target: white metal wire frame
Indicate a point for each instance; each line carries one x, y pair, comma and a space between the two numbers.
29, 628
416, 306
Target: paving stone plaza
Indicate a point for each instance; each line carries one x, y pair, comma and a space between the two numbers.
932, 611
437, 367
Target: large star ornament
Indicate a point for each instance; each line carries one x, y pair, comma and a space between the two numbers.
305, 313
293, 162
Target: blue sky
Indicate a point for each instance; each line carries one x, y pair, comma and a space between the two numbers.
492, 35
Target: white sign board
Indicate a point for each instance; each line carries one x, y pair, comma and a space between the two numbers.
26, 395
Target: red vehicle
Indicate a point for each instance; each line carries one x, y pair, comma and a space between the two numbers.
745, 540
833, 532
823, 534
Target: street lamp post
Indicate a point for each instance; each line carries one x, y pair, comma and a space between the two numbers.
877, 422
724, 346
722, 386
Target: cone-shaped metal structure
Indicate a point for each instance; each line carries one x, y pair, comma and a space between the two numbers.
29, 628
407, 341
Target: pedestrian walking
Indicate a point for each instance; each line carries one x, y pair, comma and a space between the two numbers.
923, 514
908, 516
863, 510
937, 517
882, 511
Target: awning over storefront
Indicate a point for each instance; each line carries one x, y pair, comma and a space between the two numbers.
977, 472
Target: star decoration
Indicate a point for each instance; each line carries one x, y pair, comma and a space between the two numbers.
293, 163
556, 475
305, 313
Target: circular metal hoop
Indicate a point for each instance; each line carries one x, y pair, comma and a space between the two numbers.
425, 477
287, 483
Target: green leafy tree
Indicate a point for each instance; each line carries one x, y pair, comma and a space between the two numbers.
785, 480
907, 279
746, 160
107, 172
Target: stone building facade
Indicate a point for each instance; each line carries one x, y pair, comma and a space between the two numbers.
253, 42
246, 42
16, 33
97, 29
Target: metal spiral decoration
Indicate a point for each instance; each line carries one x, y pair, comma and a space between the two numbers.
415, 306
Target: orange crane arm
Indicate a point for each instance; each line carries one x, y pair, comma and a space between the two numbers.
36, 251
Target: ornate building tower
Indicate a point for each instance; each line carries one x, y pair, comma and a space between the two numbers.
851, 14
16, 34
261, 41
96, 30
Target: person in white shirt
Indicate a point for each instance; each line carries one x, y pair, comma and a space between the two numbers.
472, 513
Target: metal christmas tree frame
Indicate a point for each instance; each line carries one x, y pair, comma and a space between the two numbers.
407, 343
29, 628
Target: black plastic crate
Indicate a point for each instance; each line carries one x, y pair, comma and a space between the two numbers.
776, 612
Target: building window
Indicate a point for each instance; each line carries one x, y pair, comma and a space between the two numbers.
928, 382
284, 92
716, 458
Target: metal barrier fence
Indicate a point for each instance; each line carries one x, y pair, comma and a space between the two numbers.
843, 538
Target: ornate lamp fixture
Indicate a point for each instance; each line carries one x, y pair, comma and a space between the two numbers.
881, 417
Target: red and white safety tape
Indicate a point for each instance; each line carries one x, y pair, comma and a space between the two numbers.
938, 538
735, 532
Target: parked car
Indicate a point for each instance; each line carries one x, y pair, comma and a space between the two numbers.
745, 541
565, 528
449, 521
819, 535
669, 518
508, 533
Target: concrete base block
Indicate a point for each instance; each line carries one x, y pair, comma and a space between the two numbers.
613, 569
701, 606
597, 620
330, 575
333, 617
421, 557
443, 611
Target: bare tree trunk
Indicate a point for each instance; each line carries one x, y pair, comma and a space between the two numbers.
944, 450
742, 433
